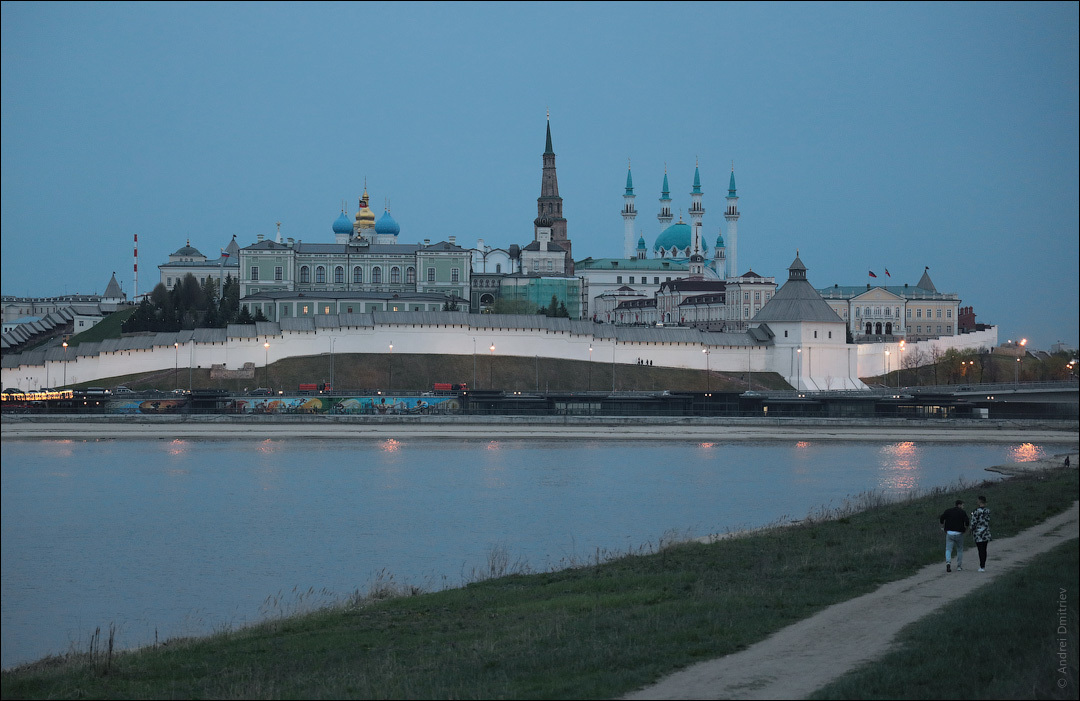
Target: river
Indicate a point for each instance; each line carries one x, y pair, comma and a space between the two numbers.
163, 538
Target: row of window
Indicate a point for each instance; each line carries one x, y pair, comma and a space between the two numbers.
358, 275
895, 311
644, 280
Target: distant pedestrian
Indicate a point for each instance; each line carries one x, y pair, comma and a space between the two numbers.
1066, 461
980, 530
954, 522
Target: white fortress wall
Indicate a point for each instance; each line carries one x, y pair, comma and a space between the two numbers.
873, 360
458, 339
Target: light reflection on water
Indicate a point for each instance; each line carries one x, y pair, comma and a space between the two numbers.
1026, 452
899, 463
182, 537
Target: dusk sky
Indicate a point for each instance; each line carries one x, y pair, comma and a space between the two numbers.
867, 136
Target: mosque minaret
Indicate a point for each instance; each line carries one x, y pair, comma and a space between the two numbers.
628, 215
731, 214
664, 217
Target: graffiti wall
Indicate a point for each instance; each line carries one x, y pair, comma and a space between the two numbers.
344, 405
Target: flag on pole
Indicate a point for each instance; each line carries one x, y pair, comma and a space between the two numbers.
224, 253
872, 274
887, 273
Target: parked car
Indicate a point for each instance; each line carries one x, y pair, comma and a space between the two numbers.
259, 392
123, 390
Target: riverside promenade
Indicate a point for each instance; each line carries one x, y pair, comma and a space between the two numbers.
322, 427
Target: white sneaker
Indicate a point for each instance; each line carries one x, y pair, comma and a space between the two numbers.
981, 569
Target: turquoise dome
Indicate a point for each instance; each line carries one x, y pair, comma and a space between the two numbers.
387, 225
678, 236
342, 225
720, 241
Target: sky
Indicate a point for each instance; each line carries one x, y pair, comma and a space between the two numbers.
864, 136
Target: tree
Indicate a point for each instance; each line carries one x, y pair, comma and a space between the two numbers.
504, 305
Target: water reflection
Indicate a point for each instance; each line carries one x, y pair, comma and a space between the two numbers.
177, 447
899, 464
269, 446
1026, 452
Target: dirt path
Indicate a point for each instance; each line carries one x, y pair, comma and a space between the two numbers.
803, 657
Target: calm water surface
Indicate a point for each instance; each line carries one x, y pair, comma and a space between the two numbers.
184, 537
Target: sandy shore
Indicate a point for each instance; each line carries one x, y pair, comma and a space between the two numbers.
518, 427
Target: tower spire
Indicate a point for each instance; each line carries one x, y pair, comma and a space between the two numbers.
629, 213
549, 205
664, 217
731, 214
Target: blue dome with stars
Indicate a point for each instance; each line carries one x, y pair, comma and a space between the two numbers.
387, 225
342, 225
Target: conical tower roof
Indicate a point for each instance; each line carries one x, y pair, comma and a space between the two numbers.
925, 283
797, 300
112, 290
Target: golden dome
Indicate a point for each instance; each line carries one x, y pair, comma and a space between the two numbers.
365, 218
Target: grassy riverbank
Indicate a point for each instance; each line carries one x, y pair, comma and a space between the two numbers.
596, 630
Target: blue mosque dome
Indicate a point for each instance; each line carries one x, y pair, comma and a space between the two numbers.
342, 225
719, 241
678, 236
387, 225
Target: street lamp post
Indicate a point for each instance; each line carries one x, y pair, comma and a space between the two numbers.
747, 368
474, 363
900, 366
266, 363
614, 345
590, 368
491, 371
390, 382
65, 363
708, 379
176, 363
332, 339
888, 366
798, 382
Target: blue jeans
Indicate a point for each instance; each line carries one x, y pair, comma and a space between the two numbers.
954, 538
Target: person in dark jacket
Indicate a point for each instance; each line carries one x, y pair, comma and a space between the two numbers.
954, 522
980, 530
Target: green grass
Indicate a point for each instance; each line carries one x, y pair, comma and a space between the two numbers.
593, 630
109, 327
417, 372
1000, 642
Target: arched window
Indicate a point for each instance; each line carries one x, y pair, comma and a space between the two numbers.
878, 328
869, 328
888, 328
305, 274
320, 275
395, 275
376, 275
410, 275
339, 275
358, 275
